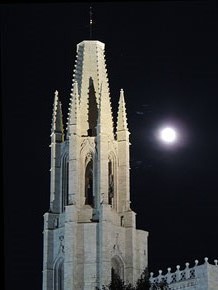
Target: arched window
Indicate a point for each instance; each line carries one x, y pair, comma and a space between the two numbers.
59, 275
65, 174
117, 267
89, 183
122, 221
110, 182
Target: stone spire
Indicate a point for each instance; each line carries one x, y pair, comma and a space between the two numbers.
91, 75
123, 153
57, 119
57, 139
121, 118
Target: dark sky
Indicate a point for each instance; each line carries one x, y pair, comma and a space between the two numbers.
164, 55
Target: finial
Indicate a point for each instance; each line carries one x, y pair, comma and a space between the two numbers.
196, 262
206, 260
216, 262
160, 272
187, 265
90, 22
169, 270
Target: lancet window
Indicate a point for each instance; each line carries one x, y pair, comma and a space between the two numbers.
110, 182
89, 183
59, 275
65, 180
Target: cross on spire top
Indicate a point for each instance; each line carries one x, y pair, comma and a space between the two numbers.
90, 22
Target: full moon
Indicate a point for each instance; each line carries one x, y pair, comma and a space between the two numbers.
168, 135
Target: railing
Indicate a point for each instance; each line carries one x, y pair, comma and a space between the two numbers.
179, 275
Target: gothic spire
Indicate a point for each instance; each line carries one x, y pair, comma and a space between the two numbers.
122, 119
57, 117
90, 68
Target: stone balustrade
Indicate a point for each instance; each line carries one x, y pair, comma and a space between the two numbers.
185, 275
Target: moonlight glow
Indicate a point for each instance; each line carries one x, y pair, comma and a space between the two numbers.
168, 135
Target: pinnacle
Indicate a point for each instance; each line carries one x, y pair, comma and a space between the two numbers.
122, 119
57, 120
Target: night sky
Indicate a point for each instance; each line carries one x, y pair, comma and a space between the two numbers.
164, 56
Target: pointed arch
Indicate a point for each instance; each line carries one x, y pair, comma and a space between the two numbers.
89, 198
59, 274
117, 267
89, 180
88, 172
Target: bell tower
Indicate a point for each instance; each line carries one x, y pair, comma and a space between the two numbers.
90, 230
